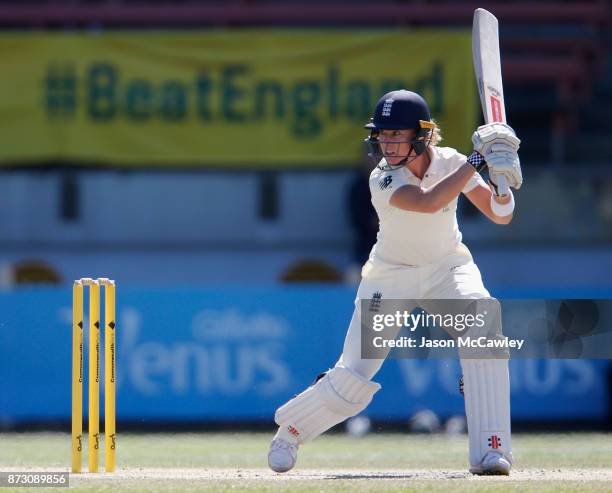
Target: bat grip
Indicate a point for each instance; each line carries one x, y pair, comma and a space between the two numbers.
502, 186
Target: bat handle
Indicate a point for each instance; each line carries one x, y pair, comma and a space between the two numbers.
502, 186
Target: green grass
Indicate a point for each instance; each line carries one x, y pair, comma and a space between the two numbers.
333, 463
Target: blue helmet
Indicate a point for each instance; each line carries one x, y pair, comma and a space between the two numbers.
400, 110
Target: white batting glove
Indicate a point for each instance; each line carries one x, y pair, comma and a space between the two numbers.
504, 161
498, 144
494, 133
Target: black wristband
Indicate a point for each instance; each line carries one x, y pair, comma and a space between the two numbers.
477, 160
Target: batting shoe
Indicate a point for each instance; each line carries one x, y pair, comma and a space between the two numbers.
493, 464
282, 455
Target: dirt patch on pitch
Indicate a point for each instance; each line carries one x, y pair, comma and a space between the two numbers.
347, 474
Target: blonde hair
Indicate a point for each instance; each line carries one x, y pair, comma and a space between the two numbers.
436, 135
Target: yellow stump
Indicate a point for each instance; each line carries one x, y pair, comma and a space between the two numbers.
94, 374
109, 375
77, 376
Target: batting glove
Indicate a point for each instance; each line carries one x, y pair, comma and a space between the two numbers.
488, 135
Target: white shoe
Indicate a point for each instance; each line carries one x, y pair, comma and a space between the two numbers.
493, 464
282, 455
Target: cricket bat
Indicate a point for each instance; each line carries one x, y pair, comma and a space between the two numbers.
487, 66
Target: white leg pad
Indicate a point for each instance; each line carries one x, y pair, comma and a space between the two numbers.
338, 395
487, 407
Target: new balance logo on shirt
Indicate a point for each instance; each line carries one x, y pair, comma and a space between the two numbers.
385, 182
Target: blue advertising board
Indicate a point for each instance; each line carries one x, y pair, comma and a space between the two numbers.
238, 353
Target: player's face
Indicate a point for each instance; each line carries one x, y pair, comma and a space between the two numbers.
395, 145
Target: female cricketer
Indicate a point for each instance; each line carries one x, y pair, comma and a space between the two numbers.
418, 255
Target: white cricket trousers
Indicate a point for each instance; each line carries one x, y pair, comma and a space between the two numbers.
486, 381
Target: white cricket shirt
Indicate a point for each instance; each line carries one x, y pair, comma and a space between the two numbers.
407, 238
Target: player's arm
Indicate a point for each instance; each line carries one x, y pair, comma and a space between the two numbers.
414, 198
490, 204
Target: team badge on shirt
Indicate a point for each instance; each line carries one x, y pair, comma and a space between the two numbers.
385, 182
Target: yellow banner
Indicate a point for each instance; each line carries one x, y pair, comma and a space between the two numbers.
273, 98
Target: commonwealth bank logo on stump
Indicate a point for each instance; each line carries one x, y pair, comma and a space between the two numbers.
78, 289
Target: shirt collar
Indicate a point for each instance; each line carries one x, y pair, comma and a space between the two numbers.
434, 163
432, 171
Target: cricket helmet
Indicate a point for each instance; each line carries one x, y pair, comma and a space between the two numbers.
400, 110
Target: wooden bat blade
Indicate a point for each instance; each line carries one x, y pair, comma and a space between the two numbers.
487, 65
